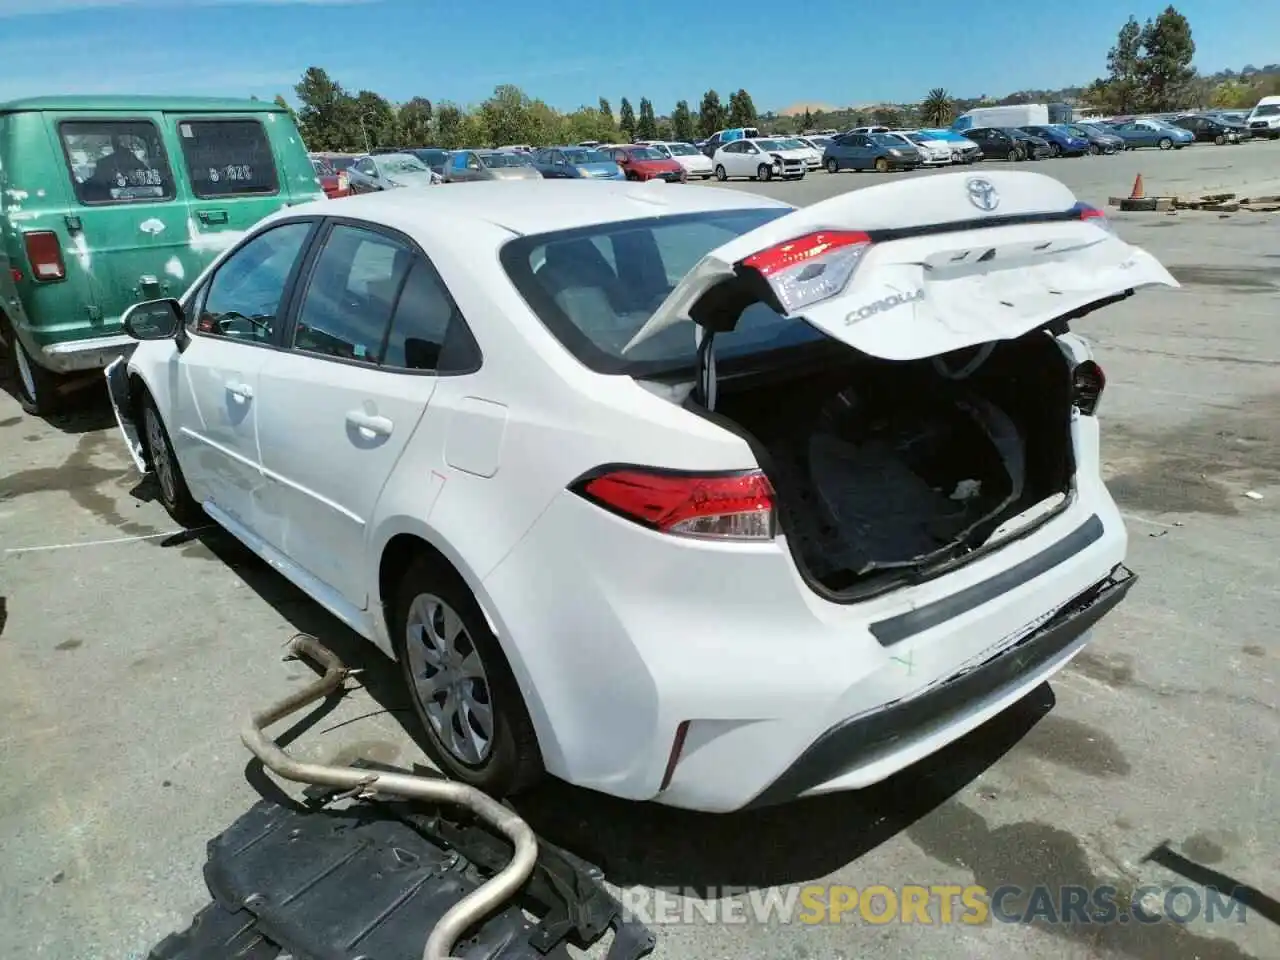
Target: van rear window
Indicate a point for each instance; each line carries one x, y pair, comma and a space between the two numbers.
228, 158
116, 161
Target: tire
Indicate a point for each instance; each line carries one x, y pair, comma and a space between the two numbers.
174, 495
632, 176
1055, 150
721, 175
39, 390
509, 760
1094, 150
764, 172
1014, 155
882, 165
833, 165
1165, 143
1219, 139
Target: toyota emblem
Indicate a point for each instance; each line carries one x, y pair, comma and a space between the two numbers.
982, 194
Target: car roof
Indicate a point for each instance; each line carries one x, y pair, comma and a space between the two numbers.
534, 206
111, 102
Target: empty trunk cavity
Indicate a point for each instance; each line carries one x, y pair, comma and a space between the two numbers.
885, 469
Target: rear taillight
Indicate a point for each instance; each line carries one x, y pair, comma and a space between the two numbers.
16, 274
1087, 383
45, 254
812, 268
1093, 215
737, 506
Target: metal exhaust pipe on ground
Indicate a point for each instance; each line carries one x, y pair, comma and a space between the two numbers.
475, 906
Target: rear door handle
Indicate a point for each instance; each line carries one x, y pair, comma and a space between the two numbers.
370, 426
241, 391
212, 216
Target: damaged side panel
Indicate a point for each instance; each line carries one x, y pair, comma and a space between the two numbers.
117, 374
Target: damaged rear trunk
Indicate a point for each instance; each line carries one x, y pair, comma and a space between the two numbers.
886, 471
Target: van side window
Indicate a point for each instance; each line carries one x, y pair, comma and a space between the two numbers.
228, 158
116, 161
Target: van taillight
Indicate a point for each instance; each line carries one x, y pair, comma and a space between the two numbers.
45, 254
1088, 382
735, 506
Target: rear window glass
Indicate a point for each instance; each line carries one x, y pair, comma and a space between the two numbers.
595, 287
116, 161
228, 158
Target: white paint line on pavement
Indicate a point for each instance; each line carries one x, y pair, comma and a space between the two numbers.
102, 543
1154, 523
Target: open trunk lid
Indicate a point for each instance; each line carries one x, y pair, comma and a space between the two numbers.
916, 268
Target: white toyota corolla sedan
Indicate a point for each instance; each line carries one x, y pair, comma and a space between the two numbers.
676, 494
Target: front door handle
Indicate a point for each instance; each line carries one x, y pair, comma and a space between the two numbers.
370, 426
213, 216
241, 391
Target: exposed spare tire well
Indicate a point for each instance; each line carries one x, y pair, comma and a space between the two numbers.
893, 472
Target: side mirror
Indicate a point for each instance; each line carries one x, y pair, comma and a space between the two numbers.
154, 319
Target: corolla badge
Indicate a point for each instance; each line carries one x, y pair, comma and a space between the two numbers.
982, 194
880, 306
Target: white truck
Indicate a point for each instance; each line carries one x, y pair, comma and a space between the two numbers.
1264, 118
1014, 115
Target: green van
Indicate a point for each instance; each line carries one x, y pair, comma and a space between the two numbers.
105, 201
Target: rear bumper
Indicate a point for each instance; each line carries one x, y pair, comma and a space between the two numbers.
834, 760
91, 354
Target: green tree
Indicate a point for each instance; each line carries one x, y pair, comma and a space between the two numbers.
1165, 69
325, 112
606, 111
647, 126
587, 123
627, 119
376, 118
682, 121
886, 116
806, 120
742, 111
711, 114
506, 115
281, 102
449, 125
1232, 94
937, 109
414, 122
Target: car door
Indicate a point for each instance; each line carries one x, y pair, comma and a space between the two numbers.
746, 157
369, 334
233, 326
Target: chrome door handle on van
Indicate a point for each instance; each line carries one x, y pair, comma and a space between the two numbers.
212, 216
241, 391
368, 425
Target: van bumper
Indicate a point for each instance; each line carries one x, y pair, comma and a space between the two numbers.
92, 354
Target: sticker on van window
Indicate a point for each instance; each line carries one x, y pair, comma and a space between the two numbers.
185, 130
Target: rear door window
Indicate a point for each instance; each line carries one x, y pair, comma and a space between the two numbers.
116, 161
228, 158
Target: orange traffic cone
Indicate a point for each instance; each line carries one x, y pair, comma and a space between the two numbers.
1137, 193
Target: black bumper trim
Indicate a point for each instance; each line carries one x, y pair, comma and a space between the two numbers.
904, 625
853, 742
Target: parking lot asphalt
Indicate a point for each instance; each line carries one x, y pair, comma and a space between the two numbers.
130, 655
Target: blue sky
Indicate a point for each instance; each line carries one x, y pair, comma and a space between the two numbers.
571, 53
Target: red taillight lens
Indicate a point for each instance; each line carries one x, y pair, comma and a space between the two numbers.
811, 268
1093, 215
16, 274
1088, 382
728, 507
45, 253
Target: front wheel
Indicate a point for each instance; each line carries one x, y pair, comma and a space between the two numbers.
1014, 155
1055, 150
764, 172
1165, 143
460, 684
174, 495
1219, 139
882, 165
832, 165
721, 174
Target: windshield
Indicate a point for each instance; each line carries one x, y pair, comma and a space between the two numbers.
586, 156
918, 138
569, 280
432, 158
885, 139
322, 167
771, 145
820, 141
495, 160
401, 163
645, 153
1269, 110
791, 143
682, 150
340, 163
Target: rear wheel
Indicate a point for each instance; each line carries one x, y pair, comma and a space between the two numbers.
882, 165
460, 685
721, 175
1055, 150
39, 390
764, 172
832, 165
174, 495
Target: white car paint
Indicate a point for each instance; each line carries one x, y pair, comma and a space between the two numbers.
695, 163
620, 636
932, 152
743, 158
812, 155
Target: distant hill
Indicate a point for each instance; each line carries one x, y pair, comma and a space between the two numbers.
798, 109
